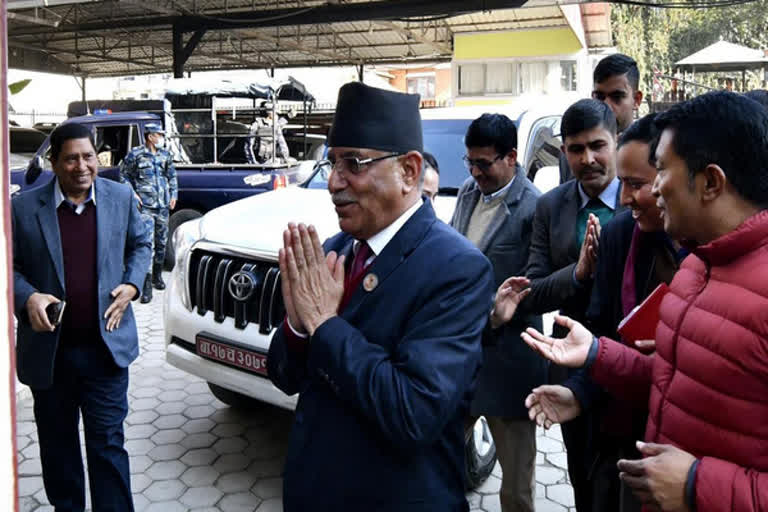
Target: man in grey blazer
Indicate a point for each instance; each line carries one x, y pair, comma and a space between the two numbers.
566, 232
79, 239
495, 209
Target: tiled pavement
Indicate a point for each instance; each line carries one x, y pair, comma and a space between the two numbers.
190, 452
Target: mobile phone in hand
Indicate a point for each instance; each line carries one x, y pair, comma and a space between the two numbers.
55, 312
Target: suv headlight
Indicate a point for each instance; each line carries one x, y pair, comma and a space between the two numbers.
15, 188
183, 239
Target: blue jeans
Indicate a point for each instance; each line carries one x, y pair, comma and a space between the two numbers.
86, 379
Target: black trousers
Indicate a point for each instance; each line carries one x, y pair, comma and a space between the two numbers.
592, 458
609, 493
577, 436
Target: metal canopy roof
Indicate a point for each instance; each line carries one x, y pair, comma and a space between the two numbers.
129, 37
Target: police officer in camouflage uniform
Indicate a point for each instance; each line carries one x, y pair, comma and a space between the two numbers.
149, 170
258, 144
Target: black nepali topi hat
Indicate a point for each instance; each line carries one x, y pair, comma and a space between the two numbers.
372, 118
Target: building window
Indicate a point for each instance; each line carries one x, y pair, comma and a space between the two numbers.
500, 77
424, 86
533, 77
516, 78
568, 75
471, 79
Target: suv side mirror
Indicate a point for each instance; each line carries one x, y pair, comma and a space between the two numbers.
34, 170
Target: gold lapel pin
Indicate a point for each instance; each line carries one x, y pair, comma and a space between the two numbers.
370, 282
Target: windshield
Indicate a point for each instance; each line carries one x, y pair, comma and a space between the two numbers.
444, 138
319, 180
26, 141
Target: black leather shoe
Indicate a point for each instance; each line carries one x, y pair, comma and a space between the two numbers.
157, 277
146, 293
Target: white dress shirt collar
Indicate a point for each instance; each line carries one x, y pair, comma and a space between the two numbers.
379, 241
502, 191
607, 197
59, 197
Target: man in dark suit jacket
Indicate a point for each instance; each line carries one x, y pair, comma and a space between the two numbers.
494, 210
566, 226
79, 239
564, 244
385, 351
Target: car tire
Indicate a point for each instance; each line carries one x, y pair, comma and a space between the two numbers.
235, 399
480, 453
177, 219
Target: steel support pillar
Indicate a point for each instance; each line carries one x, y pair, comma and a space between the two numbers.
181, 51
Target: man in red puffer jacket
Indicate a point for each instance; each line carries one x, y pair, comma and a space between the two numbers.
707, 385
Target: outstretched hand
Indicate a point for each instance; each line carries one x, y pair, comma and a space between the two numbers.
571, 351
509, 295
552, 404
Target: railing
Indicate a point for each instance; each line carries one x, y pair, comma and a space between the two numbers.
29, 119
436, 103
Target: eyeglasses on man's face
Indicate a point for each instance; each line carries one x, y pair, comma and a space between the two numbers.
480, 163
350, 164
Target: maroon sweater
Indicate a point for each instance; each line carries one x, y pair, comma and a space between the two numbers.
78, 247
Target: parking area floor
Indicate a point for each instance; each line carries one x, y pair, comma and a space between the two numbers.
191, 452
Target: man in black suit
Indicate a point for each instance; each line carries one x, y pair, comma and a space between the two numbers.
566, 230
494, 209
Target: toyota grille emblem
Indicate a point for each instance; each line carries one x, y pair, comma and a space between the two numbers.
242, 285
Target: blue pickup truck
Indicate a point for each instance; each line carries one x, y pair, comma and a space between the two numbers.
202, 132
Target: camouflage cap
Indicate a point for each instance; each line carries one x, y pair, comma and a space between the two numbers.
153, 128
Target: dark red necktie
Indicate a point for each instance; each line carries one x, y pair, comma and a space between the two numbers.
355, 275
351, 281
358, 264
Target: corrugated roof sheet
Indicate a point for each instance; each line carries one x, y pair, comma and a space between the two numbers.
145, 49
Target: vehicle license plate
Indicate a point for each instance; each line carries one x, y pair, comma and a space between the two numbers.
231, 354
